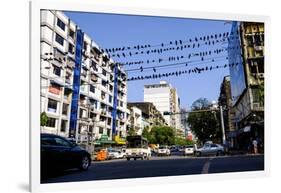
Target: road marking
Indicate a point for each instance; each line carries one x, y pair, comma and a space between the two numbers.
205, 169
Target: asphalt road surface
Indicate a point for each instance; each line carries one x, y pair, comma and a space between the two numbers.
159, 166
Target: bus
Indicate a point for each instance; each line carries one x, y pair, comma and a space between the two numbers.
137, 147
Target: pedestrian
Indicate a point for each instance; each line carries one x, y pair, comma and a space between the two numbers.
255, 146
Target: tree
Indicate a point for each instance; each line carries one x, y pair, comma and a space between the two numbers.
43, 119
200, 104
131, 132
205, 125
163, 135
182, 141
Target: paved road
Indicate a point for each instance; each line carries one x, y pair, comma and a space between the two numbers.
163, 166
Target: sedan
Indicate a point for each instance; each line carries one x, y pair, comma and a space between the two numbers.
115, 154
163, 150
210, 149
188, 150
58, 153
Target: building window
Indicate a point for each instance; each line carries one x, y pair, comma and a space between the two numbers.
102, 95
52, 105
108, 132
85, 46
104, 83
103, 72
59, 39
121, 104
56, 70
70, 48
51, 122
92, 89
110, 98
108, 121
94, 65
100, 130
65, 109
63, 125
71, 33
61, 24
54, 89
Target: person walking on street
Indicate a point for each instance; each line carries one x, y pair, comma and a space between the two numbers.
255, 146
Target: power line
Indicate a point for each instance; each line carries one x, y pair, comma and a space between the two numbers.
174, 64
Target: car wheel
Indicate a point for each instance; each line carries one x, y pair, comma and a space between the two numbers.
128, 159
135, 159
85, 163
198, 154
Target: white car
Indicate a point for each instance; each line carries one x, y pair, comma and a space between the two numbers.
188, 150
163, 150
116, 154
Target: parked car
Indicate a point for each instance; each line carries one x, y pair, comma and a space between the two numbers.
188, 150
58, 153
163, 150
174, 148
210, 149
116, 154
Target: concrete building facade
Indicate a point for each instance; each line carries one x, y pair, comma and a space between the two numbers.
82, 89
149, 114
247, 40
165, 99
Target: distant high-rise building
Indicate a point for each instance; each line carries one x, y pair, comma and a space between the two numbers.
165, 99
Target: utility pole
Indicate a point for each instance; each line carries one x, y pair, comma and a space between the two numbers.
222, 126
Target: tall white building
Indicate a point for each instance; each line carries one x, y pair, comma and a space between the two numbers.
165, 99
77, 83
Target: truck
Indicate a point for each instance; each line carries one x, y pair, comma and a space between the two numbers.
137, 148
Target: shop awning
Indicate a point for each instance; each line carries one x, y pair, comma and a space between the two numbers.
119, 140
104, 140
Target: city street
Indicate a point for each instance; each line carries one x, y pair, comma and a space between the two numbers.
160, 166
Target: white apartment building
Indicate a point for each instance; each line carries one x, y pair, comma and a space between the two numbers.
136, 120
78, 97
165, 99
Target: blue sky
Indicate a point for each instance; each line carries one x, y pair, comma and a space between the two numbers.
112, 30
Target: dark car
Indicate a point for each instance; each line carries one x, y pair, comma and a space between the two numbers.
58, 153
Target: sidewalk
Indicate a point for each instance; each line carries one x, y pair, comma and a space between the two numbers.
241, 152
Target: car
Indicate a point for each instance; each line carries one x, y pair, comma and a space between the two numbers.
116, 154
188, 150
58, 153
210, 149
163, 150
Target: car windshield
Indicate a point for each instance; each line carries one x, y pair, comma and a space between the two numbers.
189, 146
162, 147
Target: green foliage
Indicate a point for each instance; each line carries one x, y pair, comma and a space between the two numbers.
43, 119
182, 141
162, 135
205, 125
131, 132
